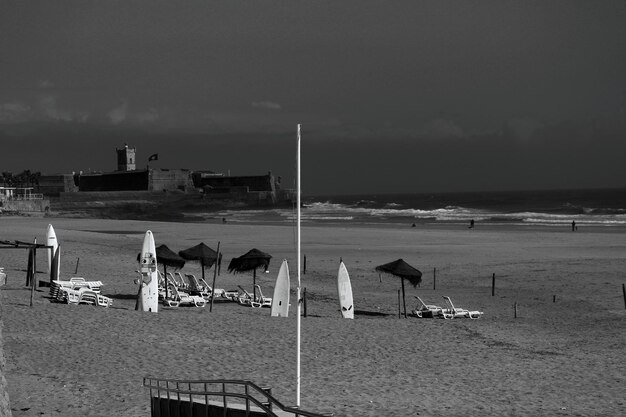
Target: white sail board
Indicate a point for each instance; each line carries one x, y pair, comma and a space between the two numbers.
344, 292
51, 240
280, 299
149, 295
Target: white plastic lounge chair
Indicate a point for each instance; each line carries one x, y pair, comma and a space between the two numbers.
453, 312
245, 298
73, 283
83, 295
261, 299
181, 282
180, 298
423, 310
196, 288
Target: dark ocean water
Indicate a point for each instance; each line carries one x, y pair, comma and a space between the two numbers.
605, 207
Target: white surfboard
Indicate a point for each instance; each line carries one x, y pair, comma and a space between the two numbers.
149, 293
51, 240
344, 291
280, 299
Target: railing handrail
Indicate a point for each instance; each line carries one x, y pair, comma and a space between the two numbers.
155, 384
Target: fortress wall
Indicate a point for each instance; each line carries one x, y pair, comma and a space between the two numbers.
53, 185
170, 179
254, 183
115, 181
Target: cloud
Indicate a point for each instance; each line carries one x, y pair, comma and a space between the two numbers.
46, 84
266, 105
51, 110
118, 114
13, 111
444, 129
522, 128
149, 116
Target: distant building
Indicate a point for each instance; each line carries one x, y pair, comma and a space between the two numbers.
126, 160
207, 185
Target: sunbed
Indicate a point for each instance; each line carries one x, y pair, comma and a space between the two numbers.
247, 299
453, 312
73, 283
83, 295
423, 310
178, 298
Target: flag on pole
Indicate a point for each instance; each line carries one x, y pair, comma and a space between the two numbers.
153, 157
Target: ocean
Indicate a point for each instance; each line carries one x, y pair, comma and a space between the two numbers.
599, 207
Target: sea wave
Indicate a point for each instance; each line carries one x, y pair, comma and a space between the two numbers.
327, 210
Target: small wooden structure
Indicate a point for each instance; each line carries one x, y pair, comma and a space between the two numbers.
221, 397
32, 260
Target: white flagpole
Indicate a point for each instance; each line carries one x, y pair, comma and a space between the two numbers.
298, 274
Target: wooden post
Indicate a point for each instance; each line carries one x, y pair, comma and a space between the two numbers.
29, 268
304, 301
515, 308
493, 284
399, 309
304, 269
434, 278
214, 277
254, 285
403, 298
76, 270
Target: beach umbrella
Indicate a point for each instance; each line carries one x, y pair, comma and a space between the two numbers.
201, 253
250, 261
404, 271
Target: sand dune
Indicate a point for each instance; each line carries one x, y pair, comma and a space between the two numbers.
556, 358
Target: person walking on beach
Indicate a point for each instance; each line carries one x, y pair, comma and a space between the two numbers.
471, 226
573, 225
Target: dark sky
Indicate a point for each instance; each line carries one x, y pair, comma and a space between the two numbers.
403, 96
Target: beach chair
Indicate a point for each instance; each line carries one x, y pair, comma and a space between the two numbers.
247, 299
74, 284
196, 288
181, 282
453, 312
179, 298
423, 310
261, 299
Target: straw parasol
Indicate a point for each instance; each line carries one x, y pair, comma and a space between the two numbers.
250, 261
404, 271
200, 253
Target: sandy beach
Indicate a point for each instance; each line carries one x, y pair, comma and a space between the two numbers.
562, 355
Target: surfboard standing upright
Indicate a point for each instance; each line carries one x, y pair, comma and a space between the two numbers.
149, 292
51, 240
344, 291
280, 299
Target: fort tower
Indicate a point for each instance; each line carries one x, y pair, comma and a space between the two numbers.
126, 159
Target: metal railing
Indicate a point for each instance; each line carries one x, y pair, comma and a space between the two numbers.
22, 197
254, 400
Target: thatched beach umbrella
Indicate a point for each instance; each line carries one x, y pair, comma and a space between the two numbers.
404, 271
201, 253
250, 261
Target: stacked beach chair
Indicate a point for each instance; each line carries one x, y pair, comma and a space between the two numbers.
178, 292
79, 291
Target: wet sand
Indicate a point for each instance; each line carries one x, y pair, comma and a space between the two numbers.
555, 358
